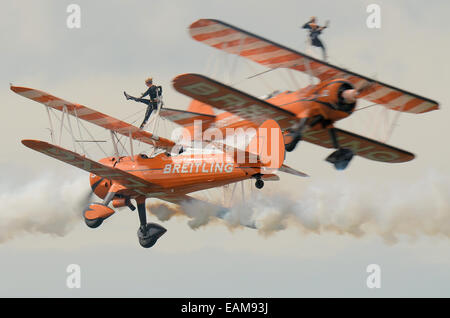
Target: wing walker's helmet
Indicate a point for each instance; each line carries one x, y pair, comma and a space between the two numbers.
149, 81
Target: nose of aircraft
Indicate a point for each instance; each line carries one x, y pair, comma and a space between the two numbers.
349, 95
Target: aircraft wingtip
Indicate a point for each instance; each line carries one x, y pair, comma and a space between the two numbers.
27, 142
31, 143
17, 89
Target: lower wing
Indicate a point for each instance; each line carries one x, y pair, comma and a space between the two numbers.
361, 146
128, 180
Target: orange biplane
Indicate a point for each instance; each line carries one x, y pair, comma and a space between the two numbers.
306, 114
169, 175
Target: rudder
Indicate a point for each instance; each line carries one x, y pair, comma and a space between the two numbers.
268, 145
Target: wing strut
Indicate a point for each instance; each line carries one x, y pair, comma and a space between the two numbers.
131, 146
52, 137
79, 130
70, 126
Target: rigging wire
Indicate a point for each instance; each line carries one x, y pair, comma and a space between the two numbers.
103, 135
236, 58
256, 74
369, 106
293, 79
394, 123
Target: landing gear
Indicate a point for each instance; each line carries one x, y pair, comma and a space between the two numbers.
96, 213
93, 223
148, 233
341, 157
294, 135
259, 184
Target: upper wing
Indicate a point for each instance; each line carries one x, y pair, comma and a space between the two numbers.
233, 40
361, 146
94, 117
241, 104
126, 179
185, 118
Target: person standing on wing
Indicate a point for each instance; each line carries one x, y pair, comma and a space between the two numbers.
314, 32
153, 92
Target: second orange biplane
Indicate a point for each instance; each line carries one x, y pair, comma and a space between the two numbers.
306, 114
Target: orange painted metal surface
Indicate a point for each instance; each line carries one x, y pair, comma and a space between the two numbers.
245, 111
160, 176
97, 211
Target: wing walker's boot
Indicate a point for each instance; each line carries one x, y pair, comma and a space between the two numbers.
128, 97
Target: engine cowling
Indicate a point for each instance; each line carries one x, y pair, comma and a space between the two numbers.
100, 186
338, 94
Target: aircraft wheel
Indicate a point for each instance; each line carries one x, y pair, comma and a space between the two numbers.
95, 214
149, 234
340, 158
147, 243
259, 184
295, 138
93, 223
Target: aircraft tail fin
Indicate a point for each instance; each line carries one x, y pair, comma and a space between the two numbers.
265, 149
198, 107
268, 145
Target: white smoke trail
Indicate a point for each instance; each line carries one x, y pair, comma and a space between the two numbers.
390, 209
201, 213
163, 211
46, 205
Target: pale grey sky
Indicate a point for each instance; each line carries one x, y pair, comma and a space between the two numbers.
122, 42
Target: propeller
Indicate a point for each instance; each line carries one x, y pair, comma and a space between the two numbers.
350, 95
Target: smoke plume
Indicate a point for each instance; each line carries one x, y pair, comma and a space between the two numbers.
390, 209
46, 205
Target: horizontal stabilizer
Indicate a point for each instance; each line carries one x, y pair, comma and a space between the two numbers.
290, 170
270, 177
